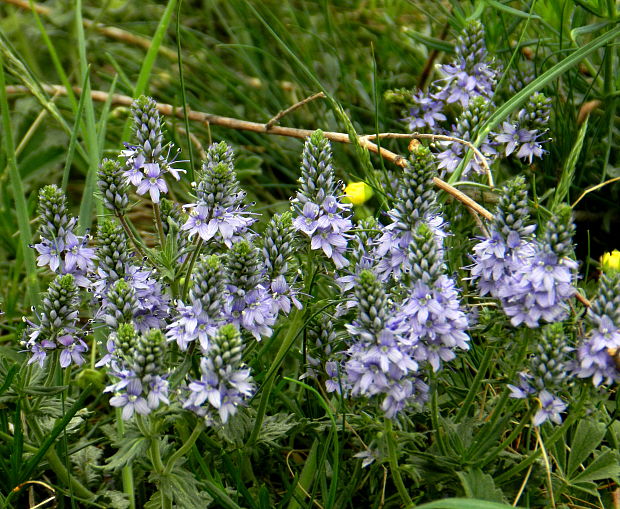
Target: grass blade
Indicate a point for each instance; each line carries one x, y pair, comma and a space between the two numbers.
21, 207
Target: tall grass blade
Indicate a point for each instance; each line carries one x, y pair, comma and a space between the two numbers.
21, 207
568, 171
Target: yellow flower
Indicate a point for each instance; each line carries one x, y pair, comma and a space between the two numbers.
611, 261
358, 192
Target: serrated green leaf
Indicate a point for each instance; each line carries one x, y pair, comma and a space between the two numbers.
588, 436
40, 390
130, 449
114, 499
605, 466
187, 492
479, 485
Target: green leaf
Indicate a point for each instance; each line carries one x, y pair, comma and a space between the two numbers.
568, 171
605, 466
588, 436
187, 492
479, 485
9, 379
60, 425
510, 10
131, 448
41, 390
431, 42
463, 503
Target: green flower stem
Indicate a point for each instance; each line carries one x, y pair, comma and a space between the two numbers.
307, 476
190, 267
435, 416
127, 470
187, 445
393, 458
155, 457
137, 244
475, 386
58, 467
513, 435
160, 226
552, 439
293, 332
10, 440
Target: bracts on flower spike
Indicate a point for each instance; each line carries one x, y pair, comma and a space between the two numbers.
56, 329
60, 248
318, 208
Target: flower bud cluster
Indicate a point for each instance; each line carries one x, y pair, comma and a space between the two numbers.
146, 165
138, 364
548, 375
225, 382
219, 212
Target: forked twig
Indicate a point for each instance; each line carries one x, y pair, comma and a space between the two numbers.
288, 110
441, 137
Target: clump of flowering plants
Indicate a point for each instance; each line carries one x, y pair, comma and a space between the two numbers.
393, 339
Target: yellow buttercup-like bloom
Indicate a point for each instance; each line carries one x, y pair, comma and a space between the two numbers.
358, 192
611, 261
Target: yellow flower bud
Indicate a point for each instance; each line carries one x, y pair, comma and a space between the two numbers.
358, 192
610, 262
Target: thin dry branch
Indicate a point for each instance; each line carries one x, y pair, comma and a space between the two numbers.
244, 125
441, 137
288, 110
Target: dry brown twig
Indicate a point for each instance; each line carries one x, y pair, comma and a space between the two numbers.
244, 125
285, 112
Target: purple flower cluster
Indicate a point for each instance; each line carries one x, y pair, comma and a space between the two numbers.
115, 262
137, 362
525, 135
319, 212
597, 354
533, 278
415, 204
219, 211
60, 248
56, 329
379, 361
146, 165
249, 299
547, 376
224, 383
432, 312
200, 319
469, 81
471, 74
467, 124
